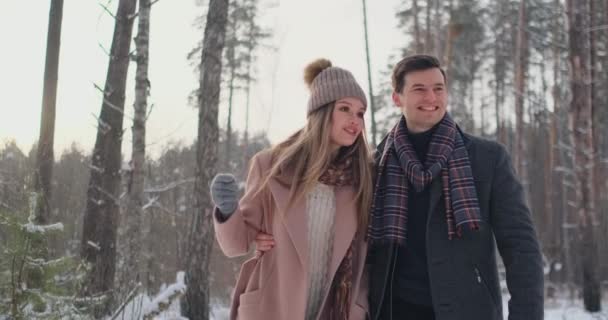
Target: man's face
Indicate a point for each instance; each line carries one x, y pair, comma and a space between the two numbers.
423, 99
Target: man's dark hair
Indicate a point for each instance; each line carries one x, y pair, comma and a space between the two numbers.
417, 62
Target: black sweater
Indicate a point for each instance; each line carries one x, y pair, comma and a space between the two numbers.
411, 274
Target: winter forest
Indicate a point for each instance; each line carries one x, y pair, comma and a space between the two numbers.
104, 233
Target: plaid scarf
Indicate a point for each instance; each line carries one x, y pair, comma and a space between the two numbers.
447, 158
340, 173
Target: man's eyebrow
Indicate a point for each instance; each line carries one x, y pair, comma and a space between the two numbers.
422, 85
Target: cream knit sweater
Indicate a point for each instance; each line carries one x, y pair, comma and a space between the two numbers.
321, 210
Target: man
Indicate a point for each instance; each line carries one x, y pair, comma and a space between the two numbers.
443, 198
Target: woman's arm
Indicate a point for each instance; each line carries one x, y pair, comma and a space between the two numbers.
235, 233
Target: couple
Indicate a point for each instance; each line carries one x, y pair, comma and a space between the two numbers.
409, 234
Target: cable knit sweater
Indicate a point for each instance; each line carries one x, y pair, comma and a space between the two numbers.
321, 210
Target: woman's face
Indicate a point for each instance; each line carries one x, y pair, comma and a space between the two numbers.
346, 122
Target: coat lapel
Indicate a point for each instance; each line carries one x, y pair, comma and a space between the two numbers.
294, 219
345, 225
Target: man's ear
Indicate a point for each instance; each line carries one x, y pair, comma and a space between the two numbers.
396, 99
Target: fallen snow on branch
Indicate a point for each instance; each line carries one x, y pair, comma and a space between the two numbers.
164, 299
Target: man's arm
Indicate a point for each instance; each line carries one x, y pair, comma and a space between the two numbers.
517, 241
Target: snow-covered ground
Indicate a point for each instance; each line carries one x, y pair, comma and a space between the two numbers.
555, 309
561, 309
565, 309
573, 310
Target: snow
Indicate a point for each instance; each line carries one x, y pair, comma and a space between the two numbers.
150, 203
564, 309
126, 166
572, 310
35, 228
555, 309
94, 245
95, 168
166, 296
32, 227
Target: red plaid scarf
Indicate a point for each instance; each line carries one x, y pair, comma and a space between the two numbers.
448, 157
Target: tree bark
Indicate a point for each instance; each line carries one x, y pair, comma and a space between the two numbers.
44, 160
417, 37
437, 23
451, 34
232, 44
581, 112
521, 65
137, 225
428, 42
98, 246
195, 305
43, 172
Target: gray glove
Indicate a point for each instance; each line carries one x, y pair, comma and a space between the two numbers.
224, 193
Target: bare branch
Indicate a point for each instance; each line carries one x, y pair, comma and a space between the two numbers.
129, 298
105, 8
169, 186
104, 49
107, 194
598, 28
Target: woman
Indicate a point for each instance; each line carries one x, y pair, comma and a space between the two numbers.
311, 193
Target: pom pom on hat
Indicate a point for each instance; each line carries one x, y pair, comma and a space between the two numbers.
328, 84
313, 69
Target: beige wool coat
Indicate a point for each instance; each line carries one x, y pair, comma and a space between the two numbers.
275, 285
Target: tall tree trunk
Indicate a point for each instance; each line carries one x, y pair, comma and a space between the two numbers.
437, 23
245, 144
44, 160
200, 240
369, 77
228, 150
567, 239
428, 42
498, 92
560, 125
602, 121
137, 226
521, 52
250, 47
451, 34
247, 96
546, 126
231, 43
581, 110
44, 157
417, 37
98, 246
595, 40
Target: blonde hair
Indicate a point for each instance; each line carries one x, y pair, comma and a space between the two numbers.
307, 155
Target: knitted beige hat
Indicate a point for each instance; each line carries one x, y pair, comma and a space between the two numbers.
328, 84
